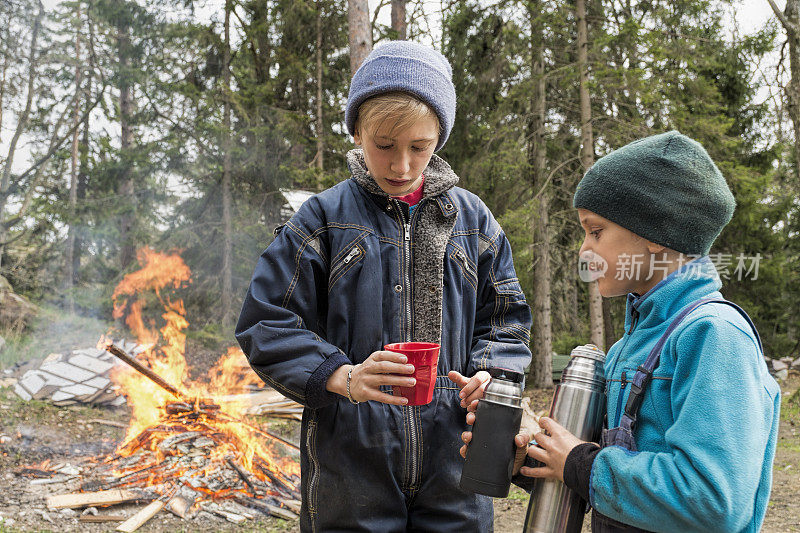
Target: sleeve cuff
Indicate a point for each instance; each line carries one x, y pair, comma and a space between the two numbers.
578, 468
525, 482
316, 393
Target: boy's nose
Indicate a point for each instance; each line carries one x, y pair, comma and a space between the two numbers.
401, 164
583, 248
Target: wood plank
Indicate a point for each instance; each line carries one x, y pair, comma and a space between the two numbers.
89, 499
101, 518
294, 505
139, 519
107, 423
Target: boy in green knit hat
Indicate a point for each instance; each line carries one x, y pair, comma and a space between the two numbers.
692, 413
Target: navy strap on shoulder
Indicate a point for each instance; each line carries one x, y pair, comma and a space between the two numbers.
644, 374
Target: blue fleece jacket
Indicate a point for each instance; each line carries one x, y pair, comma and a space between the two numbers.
708, 423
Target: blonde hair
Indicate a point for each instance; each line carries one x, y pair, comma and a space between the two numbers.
400, 108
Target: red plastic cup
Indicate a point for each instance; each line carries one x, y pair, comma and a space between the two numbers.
424, 356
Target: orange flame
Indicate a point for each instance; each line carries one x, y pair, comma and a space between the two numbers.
150, 422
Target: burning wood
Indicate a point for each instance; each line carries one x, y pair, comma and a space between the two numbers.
149, 374
185, 450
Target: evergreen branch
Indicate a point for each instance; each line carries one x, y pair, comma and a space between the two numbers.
553, 173
56, 145
200, 142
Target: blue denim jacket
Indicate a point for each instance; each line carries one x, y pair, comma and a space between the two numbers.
351, 272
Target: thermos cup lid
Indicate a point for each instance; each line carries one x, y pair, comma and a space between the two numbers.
589, 350
508, 375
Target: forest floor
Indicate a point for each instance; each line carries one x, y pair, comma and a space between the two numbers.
36, 431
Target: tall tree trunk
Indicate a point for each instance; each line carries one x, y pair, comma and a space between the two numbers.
790, 20
360, 32
541, 371
3, 78
83, 182
399, 18
22, 123
69, 255
125, 184
587, 159
227, 252
318, 158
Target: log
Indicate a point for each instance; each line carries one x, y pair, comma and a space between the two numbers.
243, 475
87, 499
265, 507
107, 423
139, 519
101, 518
57, 479
139, 367
294, 505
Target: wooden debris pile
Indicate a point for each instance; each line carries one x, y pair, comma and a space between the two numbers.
192, 461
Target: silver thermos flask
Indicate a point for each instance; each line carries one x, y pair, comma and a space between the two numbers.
579, 403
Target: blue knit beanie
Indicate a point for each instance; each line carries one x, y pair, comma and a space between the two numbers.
664, 188
409, 67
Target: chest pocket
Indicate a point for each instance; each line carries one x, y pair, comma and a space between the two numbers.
468, 269
345, 261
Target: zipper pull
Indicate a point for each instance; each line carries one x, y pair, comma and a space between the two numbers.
634, 320
408, 231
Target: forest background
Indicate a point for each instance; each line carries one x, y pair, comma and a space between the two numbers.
176, 124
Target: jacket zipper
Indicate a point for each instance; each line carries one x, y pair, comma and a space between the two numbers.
634, 321
312, 485
624, 379
344, 262
409, 410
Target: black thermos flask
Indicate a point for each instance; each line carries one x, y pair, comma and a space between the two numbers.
490, 455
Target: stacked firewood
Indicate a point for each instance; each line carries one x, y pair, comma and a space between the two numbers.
197, 457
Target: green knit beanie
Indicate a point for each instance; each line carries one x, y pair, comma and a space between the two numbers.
664, 188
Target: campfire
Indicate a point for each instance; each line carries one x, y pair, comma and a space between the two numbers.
187, 447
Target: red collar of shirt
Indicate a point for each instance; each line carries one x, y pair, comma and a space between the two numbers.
413, 198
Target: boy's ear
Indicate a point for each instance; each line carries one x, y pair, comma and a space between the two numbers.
654, 248
357, 137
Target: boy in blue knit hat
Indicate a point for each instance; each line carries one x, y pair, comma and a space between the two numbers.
692, 414
396, 253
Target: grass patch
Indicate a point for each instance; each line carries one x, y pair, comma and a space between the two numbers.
789, 445
52, 331
15, 409
518, 494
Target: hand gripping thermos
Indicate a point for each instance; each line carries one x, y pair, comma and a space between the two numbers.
490, 454
579, 403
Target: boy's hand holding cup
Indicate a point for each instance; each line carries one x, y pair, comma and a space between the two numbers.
408, 367
424, 357
365, 379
